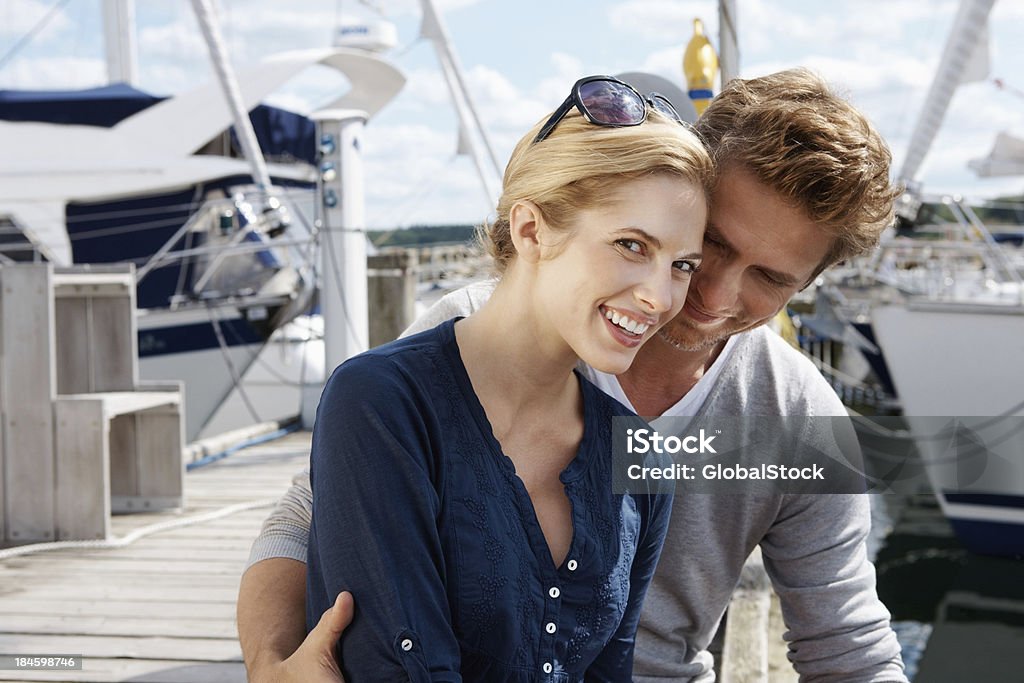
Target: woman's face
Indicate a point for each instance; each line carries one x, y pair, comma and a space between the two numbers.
624, 269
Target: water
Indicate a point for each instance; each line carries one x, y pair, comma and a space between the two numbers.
959, 617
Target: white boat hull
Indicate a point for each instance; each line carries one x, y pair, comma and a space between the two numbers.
959, 371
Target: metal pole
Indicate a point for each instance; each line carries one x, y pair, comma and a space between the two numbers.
119, 39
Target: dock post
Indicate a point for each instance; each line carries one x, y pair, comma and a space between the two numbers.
392, 294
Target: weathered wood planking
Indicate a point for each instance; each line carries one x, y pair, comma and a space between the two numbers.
162, 608
151, 671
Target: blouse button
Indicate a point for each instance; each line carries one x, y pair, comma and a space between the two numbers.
551, 628
547, 667
406, 645
554, 592
572, 565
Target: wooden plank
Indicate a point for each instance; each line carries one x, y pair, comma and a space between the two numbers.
115, 359
189, 649
161, 467
149, 670
100, 625
119, 608
124, 471
64, 591
122, 402
117, 566
156, 553
83, 470
29, 374
74, 372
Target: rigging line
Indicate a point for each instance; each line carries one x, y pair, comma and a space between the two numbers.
32, 32
404, 208
256, 358
128, 229
236, 380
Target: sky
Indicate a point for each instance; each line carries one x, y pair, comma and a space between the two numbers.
520, 58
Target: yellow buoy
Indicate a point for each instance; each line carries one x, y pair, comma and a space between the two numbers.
700, 66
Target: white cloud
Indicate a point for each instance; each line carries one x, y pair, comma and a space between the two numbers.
663, 20
56, 72
174, 40
20, 16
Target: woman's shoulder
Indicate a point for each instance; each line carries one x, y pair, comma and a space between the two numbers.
603, 404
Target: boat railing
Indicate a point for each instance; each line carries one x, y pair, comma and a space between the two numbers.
236, 242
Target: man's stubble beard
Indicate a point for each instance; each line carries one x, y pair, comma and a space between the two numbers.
702, 343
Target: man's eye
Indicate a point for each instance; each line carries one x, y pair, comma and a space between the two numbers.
687, 267
632, 245
773, 281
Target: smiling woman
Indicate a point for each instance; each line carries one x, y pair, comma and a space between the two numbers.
462, 476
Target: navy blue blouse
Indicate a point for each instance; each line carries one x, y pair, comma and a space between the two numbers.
420, 515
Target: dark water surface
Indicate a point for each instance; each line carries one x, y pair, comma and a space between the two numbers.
959, 616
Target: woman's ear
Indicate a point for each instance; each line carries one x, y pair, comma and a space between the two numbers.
525, 224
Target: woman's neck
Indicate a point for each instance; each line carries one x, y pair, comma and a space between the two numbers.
518, 365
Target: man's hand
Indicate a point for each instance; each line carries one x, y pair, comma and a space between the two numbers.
272, 626
314, 661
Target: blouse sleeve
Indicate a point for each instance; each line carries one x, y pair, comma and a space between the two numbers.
375, 533
615, 663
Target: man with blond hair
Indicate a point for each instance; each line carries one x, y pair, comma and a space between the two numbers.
803, 183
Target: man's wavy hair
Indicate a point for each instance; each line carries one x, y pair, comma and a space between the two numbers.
812, 147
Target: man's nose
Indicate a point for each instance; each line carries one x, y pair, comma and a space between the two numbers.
717, 286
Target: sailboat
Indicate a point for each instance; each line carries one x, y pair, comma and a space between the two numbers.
221, 260
954, 351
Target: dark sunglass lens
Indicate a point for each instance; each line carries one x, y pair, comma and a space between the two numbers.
664, 107
612, 104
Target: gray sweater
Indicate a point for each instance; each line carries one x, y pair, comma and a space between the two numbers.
813, 545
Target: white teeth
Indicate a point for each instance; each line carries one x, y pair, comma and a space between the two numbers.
626, 323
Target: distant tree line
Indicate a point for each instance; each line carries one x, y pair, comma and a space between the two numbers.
420, 235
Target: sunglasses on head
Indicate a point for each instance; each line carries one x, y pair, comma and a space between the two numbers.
607, 101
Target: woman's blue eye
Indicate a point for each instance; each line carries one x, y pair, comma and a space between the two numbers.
632, 245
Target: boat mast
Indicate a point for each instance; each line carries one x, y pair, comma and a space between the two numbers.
963, 48
225, 73
433, 30
119, 37
728, 43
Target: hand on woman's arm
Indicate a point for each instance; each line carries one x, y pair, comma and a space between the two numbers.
272, 626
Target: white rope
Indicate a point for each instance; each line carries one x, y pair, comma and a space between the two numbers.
130, 538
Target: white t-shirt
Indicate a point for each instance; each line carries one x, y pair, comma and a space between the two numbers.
687, 406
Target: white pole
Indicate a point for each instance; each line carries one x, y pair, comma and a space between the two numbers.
342, 230
728, 42
968, 28
119, 38
225, 73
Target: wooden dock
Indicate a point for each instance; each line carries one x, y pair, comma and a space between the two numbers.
161, 609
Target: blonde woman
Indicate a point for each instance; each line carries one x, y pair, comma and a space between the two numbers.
462, 476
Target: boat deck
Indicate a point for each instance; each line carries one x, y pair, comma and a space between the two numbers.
161, 609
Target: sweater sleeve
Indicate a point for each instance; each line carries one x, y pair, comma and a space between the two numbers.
376, 476
285, 533
838, 629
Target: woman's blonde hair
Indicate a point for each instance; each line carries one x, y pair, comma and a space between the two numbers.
581, 165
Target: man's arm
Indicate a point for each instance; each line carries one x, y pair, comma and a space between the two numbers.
272, 600
272, 629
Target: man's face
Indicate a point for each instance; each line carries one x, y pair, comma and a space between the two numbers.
758, 252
